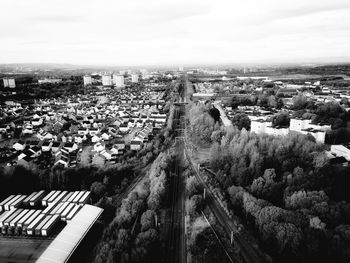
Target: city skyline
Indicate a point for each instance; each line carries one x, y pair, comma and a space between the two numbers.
174, 32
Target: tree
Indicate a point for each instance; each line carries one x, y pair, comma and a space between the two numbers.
137, 207
147, 238
241, 120
97, 190
215, 114
236, 195
281, 119
315, 222
300, 102
147, 220
305, 199
206, 248
192, 185
272, 102
123, 240
320, 160
266, 187
103, 253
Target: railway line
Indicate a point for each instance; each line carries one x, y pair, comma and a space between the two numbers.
176, 242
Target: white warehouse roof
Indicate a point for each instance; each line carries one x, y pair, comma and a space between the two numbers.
63, 246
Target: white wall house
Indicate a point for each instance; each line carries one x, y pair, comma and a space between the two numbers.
341, 151
305, 127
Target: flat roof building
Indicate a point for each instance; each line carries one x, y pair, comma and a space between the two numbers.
134, 78
107, 80
9, 83
119, 80
87, 80
63, 246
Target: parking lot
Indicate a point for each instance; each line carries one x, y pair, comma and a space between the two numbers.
22, 249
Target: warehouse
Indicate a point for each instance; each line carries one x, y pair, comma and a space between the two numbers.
63, 246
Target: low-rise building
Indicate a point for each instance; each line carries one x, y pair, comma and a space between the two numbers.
341, 151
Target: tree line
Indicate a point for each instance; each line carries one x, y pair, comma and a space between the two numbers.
286, 189
133, 234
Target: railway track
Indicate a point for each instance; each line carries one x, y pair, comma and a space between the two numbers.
176, 242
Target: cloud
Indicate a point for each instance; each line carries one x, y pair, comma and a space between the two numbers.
181, 31
60, 18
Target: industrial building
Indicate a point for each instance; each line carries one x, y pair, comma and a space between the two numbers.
20, 217
107, 80
87, 80
49, 81
119, 80
63, 216
134, 78
9, 83
63, 246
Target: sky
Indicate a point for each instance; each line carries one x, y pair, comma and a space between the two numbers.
179, 32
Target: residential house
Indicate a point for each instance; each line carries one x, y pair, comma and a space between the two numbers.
19, 146
95, 139
98, 147
123, 128
105, 136
37, 122
55, 146
99, 160
70, 146
94, 131
135, 145
120, 144
341, 151
46, 146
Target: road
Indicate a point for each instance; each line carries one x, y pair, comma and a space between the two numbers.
223, 116
176, 238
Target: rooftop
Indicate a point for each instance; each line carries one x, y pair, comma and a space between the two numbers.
63, 246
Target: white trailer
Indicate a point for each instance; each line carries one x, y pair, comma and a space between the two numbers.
61, 196
66, 211
62, 208
31, 227
7, 205
76, 199
5, 215
33, 217
85, 198
73, 196
57, 207
5, 201
10, 218
72, 213
49, 208
50, 225
66, 197
18, 202
20, 215
53, 197
23, 219
46, 197
26, 201
37, 198
41, 225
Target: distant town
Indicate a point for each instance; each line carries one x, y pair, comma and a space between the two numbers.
246, 163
